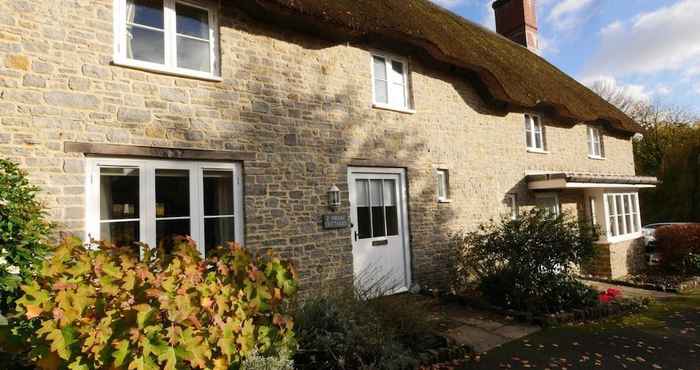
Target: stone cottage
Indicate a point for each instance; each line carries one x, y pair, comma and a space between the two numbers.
349, 136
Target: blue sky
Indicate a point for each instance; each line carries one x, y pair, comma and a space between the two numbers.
648, 48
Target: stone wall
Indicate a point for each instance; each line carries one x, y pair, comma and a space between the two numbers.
617, 260
298, 107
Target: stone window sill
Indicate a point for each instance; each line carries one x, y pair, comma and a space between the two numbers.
444, 200
392, 108
537, 151
596, 158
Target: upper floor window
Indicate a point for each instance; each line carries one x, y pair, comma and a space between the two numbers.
595, 143
534, 133
390, 83
168, 36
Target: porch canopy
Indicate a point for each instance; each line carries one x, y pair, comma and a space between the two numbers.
573, 180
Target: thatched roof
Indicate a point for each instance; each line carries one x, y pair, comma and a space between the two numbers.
510, 73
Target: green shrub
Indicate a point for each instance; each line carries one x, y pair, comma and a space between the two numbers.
343, 328
107, 308
23, 233
526, 264
679, 247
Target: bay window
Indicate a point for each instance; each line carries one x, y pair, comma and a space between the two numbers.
168, 36
152, 201
622, 215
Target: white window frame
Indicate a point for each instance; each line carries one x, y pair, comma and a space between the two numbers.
554, 196
611, 212
147, 200
170, 32
532, 123
592, 209
595, 143
443, 185
388, 59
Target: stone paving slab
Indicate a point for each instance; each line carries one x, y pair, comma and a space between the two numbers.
480, 330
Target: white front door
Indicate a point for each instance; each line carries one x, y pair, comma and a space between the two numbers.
381, 257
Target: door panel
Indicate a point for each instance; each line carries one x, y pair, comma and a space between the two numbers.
380, 253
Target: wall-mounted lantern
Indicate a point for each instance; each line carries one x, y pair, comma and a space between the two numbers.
334, 198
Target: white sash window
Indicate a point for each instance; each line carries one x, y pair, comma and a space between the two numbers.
152, 201
168, 36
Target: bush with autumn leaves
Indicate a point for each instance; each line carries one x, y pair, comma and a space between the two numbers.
107, 308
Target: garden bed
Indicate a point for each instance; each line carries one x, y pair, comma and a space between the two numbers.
653, 281
616, 307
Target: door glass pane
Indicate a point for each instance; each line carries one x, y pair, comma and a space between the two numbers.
364, 219
376, 194
172, 193
119, 193
145, 12
193, 54
167, 230
218, 193
217, 232
390, 208
122, 234
144, 44
192, 21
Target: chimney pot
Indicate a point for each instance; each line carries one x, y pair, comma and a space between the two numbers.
517, 20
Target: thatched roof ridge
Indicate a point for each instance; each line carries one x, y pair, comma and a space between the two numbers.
510, 72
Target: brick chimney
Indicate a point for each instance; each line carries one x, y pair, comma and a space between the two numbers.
517, 20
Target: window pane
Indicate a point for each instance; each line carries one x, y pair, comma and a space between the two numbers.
218, 193
620, 215
613, 226
119, 193
379, 69
364, 222
376, 192
378, 222
192, 21
392, 221
389, 192
635, 213
397, 95
193, 54
397, 73
217, 232
380, 92
538, 140
123, 234
145, 12
145, 45
167, 230
172, 193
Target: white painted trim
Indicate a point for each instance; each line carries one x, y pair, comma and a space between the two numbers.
563, 184
403, 190
147, 216
392, 108
170, 43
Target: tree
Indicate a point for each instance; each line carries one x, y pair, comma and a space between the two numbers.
669, 148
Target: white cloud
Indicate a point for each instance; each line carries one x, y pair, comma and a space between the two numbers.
567, 14
635, 91
667, 39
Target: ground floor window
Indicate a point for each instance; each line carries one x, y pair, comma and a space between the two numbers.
622, 214
152, 201
548, 202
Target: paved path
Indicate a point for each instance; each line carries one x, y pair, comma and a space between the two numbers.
481, 331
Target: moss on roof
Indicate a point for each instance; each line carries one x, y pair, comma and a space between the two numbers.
511, 73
